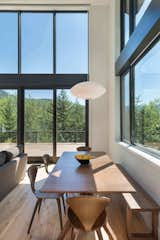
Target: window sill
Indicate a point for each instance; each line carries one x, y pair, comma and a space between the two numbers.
145, 156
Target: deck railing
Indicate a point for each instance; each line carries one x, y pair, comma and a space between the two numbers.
44, 136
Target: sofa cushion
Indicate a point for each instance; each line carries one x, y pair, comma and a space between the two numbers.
11, 153
2, 158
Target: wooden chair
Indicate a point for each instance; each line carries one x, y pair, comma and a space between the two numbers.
32, 173
83, 148
86, 213
46, 161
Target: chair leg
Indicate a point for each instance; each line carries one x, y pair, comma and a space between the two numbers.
76, 234
98, 231
64, 231
39, 207
155, 225
108, 232
60, 212
64, 206
34, 212
72, 233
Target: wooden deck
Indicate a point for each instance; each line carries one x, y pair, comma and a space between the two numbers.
38, 149
17, 207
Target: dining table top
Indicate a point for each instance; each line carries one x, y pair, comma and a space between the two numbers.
102, 175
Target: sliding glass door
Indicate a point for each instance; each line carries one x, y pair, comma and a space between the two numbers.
38, 124
54, 122
71, 122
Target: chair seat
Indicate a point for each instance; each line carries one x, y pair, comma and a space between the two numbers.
47, 195
100, 221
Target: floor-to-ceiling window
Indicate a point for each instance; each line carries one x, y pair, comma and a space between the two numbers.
147, 100
139, 68
71, 123
42, 55
38, 122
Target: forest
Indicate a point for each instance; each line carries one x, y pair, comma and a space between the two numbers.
70, 120
147, 123
39, 119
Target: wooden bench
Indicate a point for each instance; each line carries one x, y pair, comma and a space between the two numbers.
140, 201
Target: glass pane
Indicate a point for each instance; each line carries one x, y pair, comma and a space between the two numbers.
8, 118
142, 6
125, 108
71, 126
37, 43
126, 22
38, 122
8, 42
147, 99
72, 43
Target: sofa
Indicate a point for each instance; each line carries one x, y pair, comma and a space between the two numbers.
13, 164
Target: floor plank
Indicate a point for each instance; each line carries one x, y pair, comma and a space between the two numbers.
16, 210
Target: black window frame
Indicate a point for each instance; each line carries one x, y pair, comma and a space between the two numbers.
129, 57
22, 81
132, 12
132, 19
122, 79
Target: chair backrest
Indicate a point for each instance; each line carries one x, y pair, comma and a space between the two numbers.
88, 209
32, 173
83, 148
46, 161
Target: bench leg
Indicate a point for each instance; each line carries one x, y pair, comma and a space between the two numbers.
128, 221
155, 225
153, 234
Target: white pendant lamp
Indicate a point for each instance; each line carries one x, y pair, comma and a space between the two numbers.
88, 90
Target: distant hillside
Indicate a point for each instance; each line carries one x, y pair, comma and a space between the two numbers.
3, 94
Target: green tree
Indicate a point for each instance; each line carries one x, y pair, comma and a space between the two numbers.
8, 118
147, 123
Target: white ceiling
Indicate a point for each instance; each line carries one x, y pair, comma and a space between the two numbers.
59, 2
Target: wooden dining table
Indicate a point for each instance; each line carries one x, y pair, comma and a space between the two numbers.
102, 175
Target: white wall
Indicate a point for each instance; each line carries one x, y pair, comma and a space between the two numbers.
98, 53
144, 168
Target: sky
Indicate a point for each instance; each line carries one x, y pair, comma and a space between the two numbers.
147, 71
147, 76
37, 42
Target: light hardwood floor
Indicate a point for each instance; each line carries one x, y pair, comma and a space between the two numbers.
17, 207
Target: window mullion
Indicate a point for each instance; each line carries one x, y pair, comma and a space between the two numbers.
20, 122
54, 42
121, 109
19, 42
87, 122
132, 11
122, 23
54, 91
132, 114
54, 123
